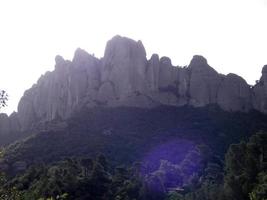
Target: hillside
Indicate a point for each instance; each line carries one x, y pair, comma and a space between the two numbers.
126, 135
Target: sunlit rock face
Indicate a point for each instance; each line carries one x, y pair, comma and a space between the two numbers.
124, 65
124, 77
58, 93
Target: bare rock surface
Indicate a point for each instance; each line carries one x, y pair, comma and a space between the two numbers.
259, 98
234, 94
124, 77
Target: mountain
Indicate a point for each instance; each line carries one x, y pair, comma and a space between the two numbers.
124, 77
124, 127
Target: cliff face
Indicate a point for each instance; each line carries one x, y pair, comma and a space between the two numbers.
124, 77
259, 94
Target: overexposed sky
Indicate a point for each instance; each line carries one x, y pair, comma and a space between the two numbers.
231, 34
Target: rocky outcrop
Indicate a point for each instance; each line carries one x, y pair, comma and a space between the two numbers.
124, 65
152, 73
234, 94
204, 82
9, 124
58, 93
260, 92
124, 77
4, 124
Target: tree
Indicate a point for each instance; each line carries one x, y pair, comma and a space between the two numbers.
174, 196
245, 167
3, 98
260, 190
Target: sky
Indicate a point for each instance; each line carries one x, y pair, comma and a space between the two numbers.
231, 34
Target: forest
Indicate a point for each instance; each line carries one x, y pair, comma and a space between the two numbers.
164, 153
200, 176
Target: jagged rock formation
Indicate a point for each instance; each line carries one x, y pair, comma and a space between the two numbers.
260, 92
124, 77
234, 94
9, 124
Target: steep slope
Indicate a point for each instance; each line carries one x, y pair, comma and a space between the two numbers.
126, 135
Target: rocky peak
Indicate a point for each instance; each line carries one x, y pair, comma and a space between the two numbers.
168, 73
198, 61
124, 64
260, 92
264, 69
234, 94
82, 58
123, 47
204, 82
154, 58
124, 77
264, 74
165, 61
199, 64
60, 62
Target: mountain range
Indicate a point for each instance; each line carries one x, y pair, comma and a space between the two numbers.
124, 127
125, 78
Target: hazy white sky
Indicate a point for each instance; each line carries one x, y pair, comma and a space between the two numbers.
231, 34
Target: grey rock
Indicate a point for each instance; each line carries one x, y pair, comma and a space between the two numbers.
58, 93
234, 94
106, 93
165, 98
183, 84
152, 73
124, 77
259, 98
136, 100
4, 124
124, 64
9, 125
168, 74
204, 82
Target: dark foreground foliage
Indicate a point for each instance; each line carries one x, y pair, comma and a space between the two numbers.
199, 176
126, 135
165, 153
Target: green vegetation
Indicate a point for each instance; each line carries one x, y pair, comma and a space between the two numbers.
123, 135
164, 153
3, 98
199, 176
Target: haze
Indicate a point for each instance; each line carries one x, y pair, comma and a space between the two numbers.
231, 34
